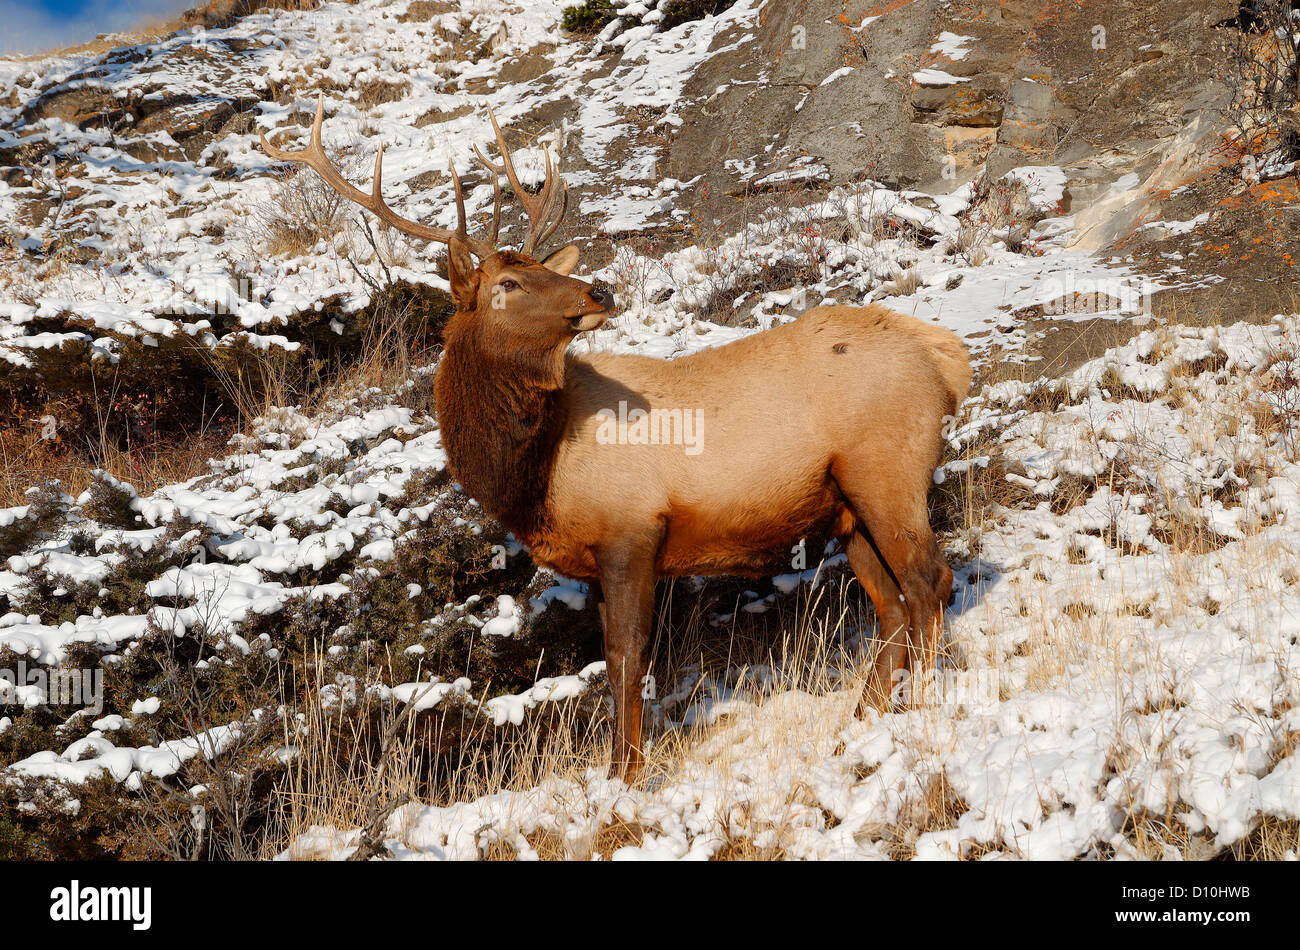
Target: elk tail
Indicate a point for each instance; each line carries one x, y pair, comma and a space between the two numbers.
950, 359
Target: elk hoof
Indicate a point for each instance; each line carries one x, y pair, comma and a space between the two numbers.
628, 772
872, 701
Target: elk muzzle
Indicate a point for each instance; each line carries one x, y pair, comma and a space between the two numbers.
595, 309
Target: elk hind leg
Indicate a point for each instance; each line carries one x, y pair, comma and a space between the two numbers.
905, 551
892, 622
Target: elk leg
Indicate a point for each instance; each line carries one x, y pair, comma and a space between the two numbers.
943, 585
908, 546
898, 524
597, 596
892, 618
627, 583
929, 598
942, 594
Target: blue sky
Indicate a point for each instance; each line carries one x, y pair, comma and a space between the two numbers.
63, 7
27, 26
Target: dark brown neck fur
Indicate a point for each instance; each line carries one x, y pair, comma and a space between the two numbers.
502, 415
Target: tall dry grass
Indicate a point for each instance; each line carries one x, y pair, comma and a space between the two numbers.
743, 677
390, 365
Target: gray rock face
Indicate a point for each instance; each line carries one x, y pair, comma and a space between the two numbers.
1033, 83
926, 95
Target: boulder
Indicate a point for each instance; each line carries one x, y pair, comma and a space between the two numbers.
83, 105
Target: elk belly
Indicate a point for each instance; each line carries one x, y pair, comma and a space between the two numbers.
576, 561
752, 542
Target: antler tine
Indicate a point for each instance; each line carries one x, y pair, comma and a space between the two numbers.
496, 206
496, 209
489, 165
553, 210
460, 198
314, 157
540, 208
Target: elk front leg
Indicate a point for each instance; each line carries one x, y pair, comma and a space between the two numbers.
627, 582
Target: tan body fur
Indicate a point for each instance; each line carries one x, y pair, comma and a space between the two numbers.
782, 416
829, 426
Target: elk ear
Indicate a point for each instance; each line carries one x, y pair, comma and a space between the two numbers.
563, 260
461, 274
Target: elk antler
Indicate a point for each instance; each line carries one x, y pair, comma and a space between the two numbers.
314, 157
546, 209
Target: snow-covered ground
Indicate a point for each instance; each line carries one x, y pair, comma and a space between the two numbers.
1121, 661
169, 230
1121, 646
176, 236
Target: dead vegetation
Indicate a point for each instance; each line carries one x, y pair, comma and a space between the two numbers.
304, 212
1261, 68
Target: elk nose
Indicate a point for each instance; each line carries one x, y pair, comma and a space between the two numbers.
602, 297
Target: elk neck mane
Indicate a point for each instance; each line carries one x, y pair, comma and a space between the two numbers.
502, 414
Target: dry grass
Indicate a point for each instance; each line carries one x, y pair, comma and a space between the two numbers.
972, 245
255, 387
27, 459
303, 211
337, 778
794, 675
904, 282
1274, 839
806, 659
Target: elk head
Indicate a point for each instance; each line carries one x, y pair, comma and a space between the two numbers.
510, 295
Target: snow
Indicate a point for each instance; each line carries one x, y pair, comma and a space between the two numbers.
151, 221
952, 45
1046, 184
95, 756
507, 621
1168, 691
1176, 228
1103, 671
936, 77
154, 221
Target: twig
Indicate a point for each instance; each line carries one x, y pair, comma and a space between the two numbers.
372, 838
369, 281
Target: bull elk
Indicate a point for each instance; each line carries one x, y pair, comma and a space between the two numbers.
829, 426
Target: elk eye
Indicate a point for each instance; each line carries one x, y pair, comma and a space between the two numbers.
508, 285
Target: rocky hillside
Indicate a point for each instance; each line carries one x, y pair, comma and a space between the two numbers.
226, 507
133, 177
